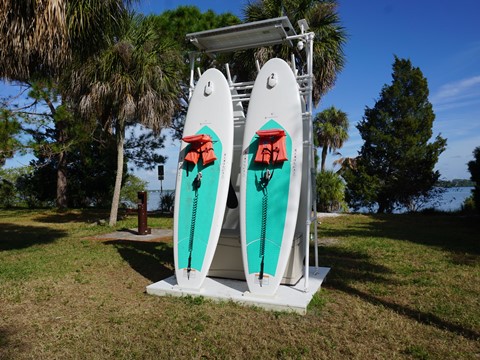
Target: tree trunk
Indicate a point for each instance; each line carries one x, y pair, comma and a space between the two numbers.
324, 157
120, 135
61, 198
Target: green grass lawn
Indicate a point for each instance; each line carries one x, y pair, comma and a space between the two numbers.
401, 286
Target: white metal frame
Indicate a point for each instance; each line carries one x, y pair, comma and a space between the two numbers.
248, 36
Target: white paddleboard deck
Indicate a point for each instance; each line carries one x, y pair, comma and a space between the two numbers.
202, 186
270, 187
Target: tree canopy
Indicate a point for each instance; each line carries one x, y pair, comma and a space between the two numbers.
396, 162
174, 25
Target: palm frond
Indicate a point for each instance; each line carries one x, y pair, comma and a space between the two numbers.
43, 36
330, 36
137, 76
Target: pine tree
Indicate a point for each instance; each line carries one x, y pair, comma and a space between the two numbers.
396, 162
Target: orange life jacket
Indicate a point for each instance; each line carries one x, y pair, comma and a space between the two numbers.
200, 145
271, 146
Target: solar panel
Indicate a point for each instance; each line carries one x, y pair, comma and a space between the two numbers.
244, 36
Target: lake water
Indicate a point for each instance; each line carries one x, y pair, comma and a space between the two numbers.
153, 200
450, 200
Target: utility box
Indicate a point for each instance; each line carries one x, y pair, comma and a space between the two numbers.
143, 228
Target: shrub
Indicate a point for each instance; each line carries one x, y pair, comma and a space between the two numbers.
330, 192
167, 200
469, 204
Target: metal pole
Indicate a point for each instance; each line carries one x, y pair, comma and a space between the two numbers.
229, 76
310, 188
192, 74
314, 180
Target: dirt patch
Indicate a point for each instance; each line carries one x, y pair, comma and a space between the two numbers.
157, 235
328, 241
321, 215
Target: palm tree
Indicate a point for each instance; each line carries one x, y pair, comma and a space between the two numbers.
41, 37
135, 80
345, 163
39, 41
330, 131
330, 192
323, 20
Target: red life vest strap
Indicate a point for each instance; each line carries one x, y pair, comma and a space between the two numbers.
200, 144
271, 146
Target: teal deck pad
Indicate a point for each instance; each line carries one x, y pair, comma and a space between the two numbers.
270, 223
194, 225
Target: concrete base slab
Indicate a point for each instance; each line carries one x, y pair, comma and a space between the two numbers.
287, 298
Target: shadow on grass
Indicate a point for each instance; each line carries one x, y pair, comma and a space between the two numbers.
352, 266
152, 260
419, 316
160, 214
453, 233
6, 345
456, 235
69, 216
14, 236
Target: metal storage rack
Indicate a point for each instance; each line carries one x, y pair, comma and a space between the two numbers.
267, 33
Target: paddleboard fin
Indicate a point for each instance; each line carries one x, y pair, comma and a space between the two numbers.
271, 146
200, 145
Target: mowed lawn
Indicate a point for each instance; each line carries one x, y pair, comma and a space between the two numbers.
400, 286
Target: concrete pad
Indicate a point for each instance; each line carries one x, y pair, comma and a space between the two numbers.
287, 298
132, 235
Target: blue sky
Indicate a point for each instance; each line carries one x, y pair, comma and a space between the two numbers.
441, 37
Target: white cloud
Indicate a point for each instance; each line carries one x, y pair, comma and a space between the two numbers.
462, 93
458, 87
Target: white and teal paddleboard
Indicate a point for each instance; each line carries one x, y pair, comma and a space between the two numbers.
203, 178
271, 174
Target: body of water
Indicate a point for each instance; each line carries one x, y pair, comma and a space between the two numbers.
450, 200
153, 199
